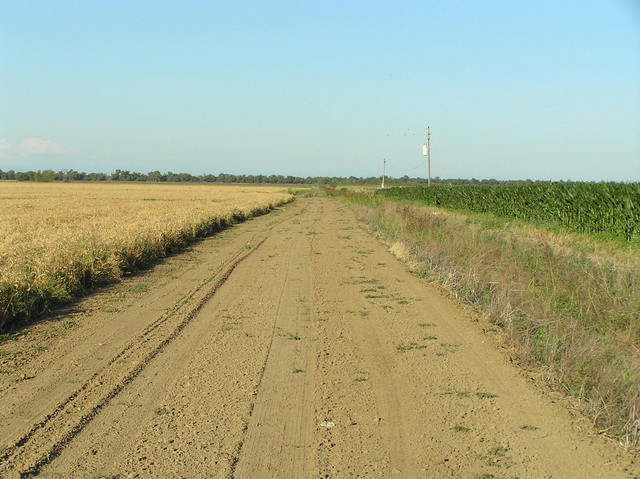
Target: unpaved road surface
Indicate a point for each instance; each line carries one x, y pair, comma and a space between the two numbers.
291, 346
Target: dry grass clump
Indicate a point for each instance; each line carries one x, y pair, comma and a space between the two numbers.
56, 240
575, 314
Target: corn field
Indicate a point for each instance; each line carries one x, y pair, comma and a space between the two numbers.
612, 208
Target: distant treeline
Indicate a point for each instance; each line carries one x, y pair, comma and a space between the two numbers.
171, 177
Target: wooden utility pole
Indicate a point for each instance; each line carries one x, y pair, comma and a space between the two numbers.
426, 151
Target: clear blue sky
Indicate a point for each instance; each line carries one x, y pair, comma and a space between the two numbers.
512, 89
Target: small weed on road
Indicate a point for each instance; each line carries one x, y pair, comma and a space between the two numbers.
482, 395
402, 347
139, 288
461, 429
529, 427
450, 348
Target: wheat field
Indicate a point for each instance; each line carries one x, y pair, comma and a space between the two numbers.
56, 240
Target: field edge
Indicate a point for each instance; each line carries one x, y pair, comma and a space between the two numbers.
22, 303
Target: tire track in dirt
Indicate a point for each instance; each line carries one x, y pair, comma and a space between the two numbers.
368, 413
461, 411
276, 441
239, 447
319, 357
46, 438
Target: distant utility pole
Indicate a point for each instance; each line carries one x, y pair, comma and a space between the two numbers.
426, 152
384, 166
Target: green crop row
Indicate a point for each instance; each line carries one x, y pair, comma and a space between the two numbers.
612, 208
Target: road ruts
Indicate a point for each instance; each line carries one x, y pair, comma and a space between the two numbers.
294, 346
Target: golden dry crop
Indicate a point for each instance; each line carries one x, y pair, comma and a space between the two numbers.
57, 239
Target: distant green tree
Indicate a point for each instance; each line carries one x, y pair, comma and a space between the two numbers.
25, 176
154, 176
45, 175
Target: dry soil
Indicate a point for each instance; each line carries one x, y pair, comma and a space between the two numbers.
291, 346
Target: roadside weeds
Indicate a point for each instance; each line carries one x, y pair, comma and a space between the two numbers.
575, 318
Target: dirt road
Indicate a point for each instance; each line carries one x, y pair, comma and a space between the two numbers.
291, 346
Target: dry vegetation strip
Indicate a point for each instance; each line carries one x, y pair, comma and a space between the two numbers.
56, 240
574, 313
